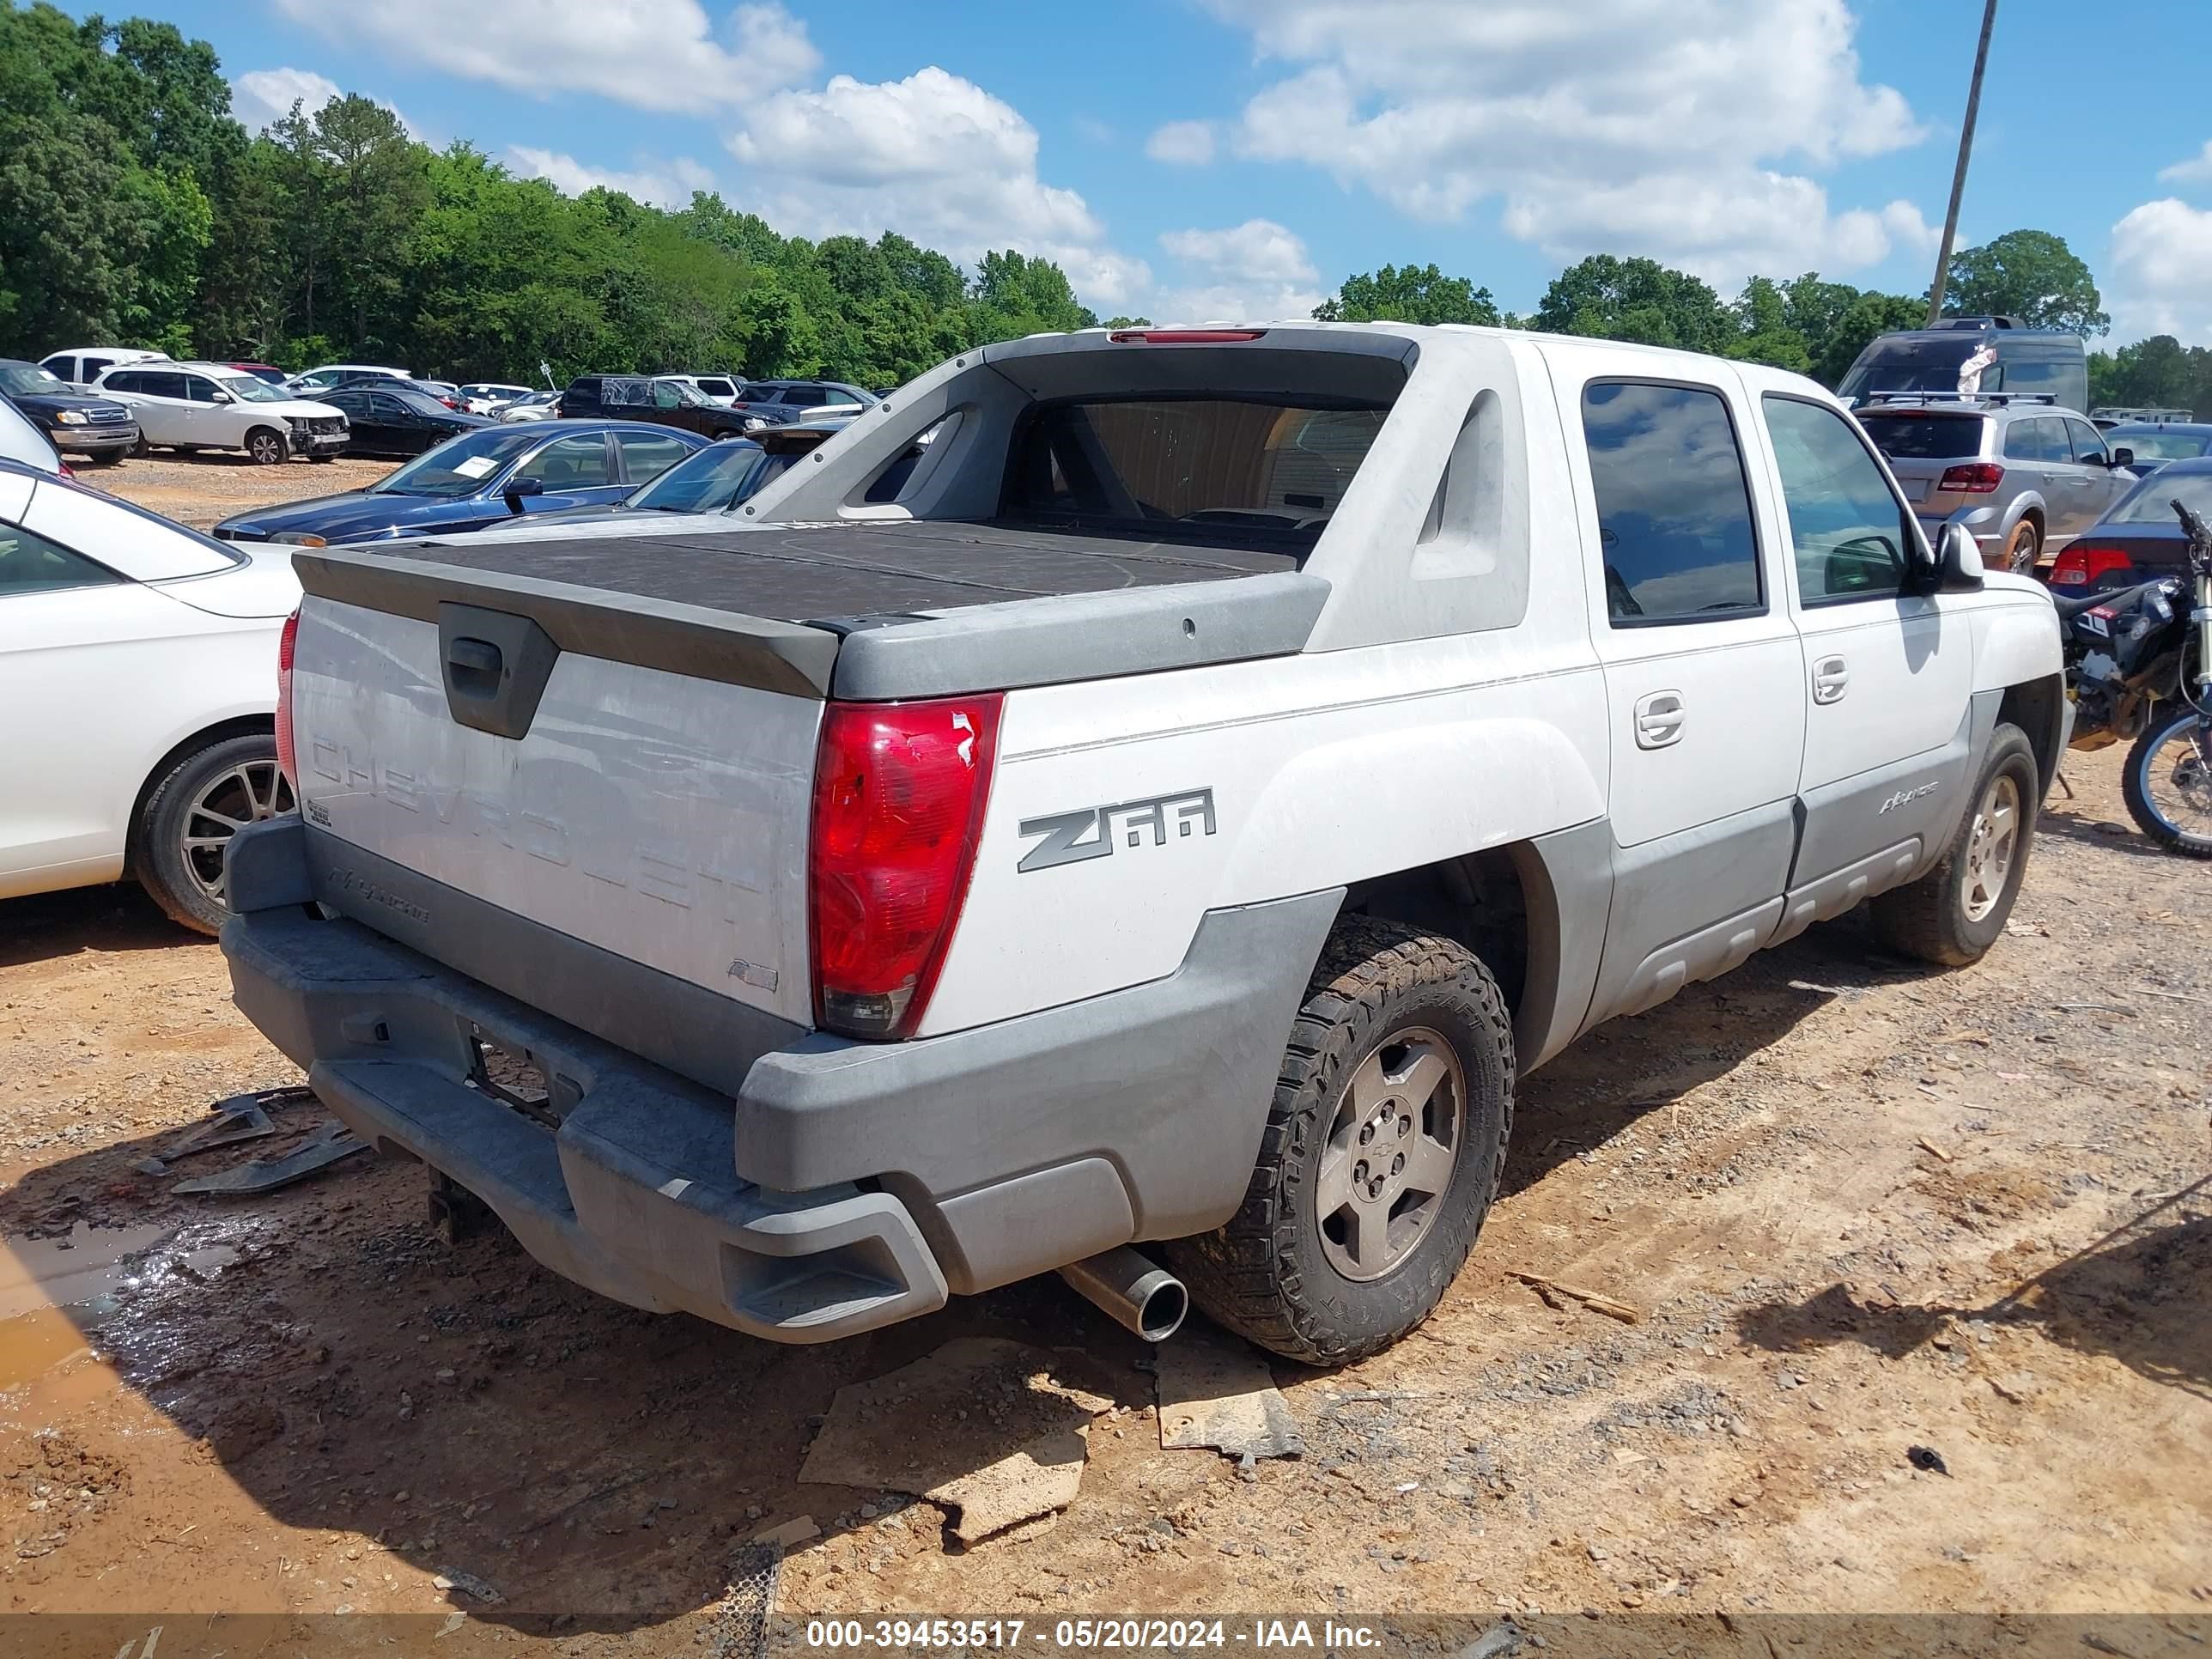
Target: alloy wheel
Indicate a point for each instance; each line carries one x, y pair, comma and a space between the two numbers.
1992, 846
1393, 1145
230, 800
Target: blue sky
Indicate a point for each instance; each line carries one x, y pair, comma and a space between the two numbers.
1200, 159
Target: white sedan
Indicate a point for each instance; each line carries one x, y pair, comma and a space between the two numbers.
138, 666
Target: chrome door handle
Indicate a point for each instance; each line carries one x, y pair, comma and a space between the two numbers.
1659, 717
1830, 679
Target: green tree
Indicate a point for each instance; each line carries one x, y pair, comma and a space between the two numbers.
1637, 300
1763, 313
376, 184
2028, 274
1410, 293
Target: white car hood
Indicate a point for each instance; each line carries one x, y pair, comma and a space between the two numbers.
264, 586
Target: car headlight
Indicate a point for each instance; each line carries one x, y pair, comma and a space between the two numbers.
297, 422
299, 538
70, 417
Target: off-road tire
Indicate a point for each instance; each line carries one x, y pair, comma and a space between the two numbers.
2131, 788
157, 849
1264, 1274
265, 447
1929, 919
2023, 548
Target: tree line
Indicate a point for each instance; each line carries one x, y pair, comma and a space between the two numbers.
135, 210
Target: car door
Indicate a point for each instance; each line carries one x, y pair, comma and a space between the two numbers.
574, 470
211, 415
1888, 666
647, 455
2091, 458
165, 411
2030, 451
68, 629
2075, 492
1703, 671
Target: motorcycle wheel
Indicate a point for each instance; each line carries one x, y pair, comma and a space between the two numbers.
2167, 782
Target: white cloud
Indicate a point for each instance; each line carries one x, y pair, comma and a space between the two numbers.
2160, 253
1181, 144
2197, 170
1679, 129
934, 157
260, 98
1254, 272
661, 55
667, 184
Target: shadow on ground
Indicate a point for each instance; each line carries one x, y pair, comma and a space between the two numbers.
46, 926
2138, 1295
602, 1466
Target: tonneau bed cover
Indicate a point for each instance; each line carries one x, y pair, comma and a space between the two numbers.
867, 609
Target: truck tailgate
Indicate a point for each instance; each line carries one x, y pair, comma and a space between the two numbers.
613, 739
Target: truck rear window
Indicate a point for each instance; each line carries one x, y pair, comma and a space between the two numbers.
1924, 437
1201, 469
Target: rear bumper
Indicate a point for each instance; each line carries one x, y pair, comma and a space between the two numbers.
846, 1186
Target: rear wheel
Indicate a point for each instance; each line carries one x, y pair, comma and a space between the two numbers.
2023, 548
1954, 913
1381, 1156
265, 447
180, 851
2168, 782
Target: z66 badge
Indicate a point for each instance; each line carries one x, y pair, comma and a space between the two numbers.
1071, 838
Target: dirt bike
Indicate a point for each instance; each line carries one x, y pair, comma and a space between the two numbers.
2139, 664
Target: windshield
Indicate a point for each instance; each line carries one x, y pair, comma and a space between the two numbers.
26, 381
459, 466
1924, 437
247, 390
1916, 366
709, 482
1259, 469
2152, 501
2150, 445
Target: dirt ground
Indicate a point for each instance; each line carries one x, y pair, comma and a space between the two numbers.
199, 489
1859, 1206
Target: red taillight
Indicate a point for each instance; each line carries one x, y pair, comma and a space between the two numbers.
2080, 566
1185, 336
1973, 478
899, 792
287, 762
65, 472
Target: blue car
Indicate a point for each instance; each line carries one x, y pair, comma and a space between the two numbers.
485, 476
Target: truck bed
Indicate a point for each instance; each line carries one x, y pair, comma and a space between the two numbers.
872, 611
843, 572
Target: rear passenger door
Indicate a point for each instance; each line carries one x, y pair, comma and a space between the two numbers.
1703, 670
1888, 670
164, 413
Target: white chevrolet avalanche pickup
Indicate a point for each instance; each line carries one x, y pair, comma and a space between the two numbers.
1155, 786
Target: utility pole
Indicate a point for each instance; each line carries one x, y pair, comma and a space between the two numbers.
1959, 173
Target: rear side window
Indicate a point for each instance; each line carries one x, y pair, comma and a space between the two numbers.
1674, 507
2028, 440
62, 368
32, 564
1917, 437
162, 386
804, 397
95, 366
1848, 532
714, 388
646, 456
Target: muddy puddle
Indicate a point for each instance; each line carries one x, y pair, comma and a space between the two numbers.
56, 1293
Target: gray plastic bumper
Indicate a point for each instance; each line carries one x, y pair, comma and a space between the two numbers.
849, 1185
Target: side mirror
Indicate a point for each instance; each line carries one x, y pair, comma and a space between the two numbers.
2124, 458
1957, 561
224, 397
519, 489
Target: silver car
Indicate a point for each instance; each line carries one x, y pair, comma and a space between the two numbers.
2022, 474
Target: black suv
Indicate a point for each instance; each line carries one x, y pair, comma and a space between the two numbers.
98, 427
661, 399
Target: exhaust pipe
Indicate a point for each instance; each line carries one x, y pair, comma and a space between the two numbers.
1146, 1298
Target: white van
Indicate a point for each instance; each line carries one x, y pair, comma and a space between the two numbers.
192, 406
